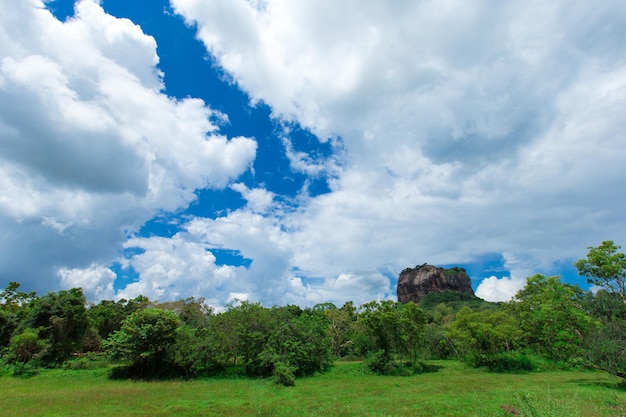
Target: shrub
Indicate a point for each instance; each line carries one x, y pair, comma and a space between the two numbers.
512, 362
26, 347
284, 374
379, 362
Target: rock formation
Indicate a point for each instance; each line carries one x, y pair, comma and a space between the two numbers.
415, 283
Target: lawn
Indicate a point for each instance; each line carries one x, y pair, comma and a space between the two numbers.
345, 390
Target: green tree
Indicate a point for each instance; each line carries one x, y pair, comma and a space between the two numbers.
396, 331
551, 316
195, 352
477, 333
61, 319
605, 267
14, 308
241, 333
605, 347
381, 321
297, 342
195, 313
26, 346
145, 341
107, 316
412, 326
339, 321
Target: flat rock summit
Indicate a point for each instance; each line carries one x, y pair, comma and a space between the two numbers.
415, 283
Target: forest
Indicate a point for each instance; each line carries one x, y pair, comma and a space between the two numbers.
547, 325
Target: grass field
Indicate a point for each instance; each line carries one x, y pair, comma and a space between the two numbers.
345, 390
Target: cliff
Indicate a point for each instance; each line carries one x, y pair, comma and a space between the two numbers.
415, 283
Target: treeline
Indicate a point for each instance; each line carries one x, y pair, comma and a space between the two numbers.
548, 323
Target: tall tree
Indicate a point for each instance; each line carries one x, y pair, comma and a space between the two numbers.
551, 316
605, 267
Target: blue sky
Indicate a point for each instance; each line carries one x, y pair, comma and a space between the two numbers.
305, 152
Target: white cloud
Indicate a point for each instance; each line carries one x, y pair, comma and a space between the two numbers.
466, 128
96, 281
174, 268
469, 127
499, 289
259, 200
90, 147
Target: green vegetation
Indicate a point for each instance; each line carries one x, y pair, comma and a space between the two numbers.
551, 334
456, 300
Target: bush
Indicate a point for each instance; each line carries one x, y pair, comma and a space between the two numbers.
87, 361
284, 375
381, 363
25, 369
507, 362
27, 347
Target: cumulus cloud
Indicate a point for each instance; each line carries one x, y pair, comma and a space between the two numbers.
174, 268
465, 127
469, 127
90, 146
499, 289
259, 200
96, 281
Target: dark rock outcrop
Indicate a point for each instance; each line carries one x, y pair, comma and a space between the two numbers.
415, 283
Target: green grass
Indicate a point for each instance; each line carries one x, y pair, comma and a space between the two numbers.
345, 390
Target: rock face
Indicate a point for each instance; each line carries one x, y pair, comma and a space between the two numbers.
415, 283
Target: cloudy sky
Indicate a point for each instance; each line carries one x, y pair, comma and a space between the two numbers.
306, 151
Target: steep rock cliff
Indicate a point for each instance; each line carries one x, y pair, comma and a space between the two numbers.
415, 283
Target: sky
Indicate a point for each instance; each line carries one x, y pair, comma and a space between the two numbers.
300, 152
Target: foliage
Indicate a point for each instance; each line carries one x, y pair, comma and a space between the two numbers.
13, 308
283, 374
551, 317
546, 325
145, 341
513, 362
455, 300
61, 321
301, 343
605, 267
605, 347
242, 332
8, 324
380, 362
195, 352
484, 333
394, 328
26, 347
107, 316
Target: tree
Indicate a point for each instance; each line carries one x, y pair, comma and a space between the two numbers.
299, 343
381, 321
396, 332
26, 346
605, 347
412, 326
551, 316
61, 319
605, 267
487, 332
14, 307
145, 340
